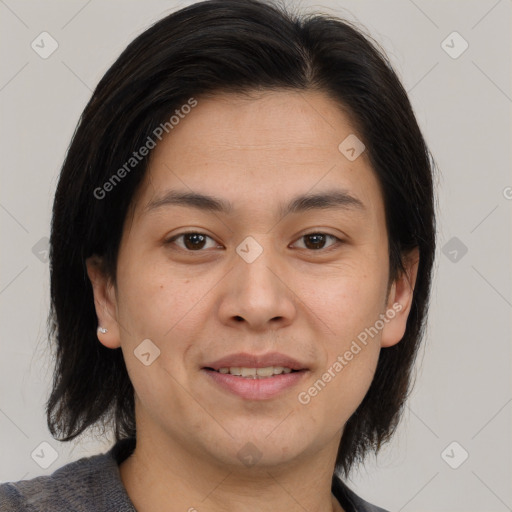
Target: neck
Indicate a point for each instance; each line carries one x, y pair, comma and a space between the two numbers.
163, 475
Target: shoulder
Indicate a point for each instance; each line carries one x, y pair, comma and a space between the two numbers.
349, 500
90, 483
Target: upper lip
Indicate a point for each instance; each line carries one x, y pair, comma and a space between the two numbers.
245, 360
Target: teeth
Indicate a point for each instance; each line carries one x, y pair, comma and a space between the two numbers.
248, 372
255, 373
265, 372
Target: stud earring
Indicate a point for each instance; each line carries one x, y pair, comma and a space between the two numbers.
103, 330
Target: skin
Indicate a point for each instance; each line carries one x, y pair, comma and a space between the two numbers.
198, 305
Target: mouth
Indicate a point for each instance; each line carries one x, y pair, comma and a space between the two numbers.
250, 365
266, 372
255, 377
245, 382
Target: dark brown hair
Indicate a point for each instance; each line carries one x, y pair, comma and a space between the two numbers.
227, 46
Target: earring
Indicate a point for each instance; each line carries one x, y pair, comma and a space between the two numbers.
103, 330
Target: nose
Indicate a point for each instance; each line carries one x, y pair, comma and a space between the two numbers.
258, 294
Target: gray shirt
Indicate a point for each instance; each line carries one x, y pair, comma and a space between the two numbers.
94, 484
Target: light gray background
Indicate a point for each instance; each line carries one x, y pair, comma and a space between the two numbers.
463, 390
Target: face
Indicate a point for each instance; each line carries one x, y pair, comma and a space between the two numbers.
282, 263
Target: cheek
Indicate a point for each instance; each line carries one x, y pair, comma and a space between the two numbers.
335, 391
156, 301
168, 308
162, 308
352, 382
346, 299
348, 304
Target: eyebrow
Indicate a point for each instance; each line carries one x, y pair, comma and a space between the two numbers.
338, 199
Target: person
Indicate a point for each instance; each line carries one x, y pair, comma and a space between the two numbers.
242, 242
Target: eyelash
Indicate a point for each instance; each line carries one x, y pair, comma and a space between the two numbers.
338, 241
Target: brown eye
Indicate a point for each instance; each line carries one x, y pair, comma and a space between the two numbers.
192, 241
317, 241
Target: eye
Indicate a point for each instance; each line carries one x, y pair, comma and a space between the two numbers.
192, 241
317, 241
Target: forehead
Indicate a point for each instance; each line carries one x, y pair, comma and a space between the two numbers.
254, 150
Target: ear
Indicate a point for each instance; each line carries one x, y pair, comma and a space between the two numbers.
105, 302
399, 301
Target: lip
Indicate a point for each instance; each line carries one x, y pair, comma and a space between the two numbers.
243, 359
255, 389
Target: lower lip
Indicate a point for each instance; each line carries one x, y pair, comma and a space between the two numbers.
256, 389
